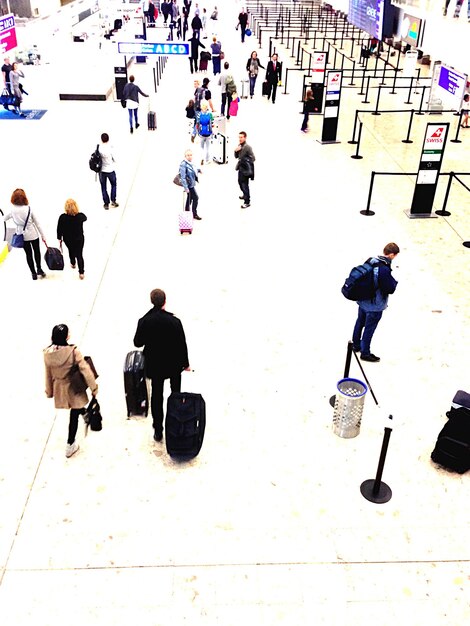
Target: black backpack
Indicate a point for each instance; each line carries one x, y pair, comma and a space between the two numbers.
96, 160
452, 449
361, 283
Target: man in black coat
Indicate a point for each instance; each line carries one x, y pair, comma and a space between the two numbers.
166, 353
193, 57
196, 25
273, 76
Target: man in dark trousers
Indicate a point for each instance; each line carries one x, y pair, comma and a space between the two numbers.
273, 76
243, 22
193, 57
166, 353
196, 25
370, 311
6, 69
245, 167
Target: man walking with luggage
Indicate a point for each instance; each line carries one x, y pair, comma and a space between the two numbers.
166, 354
370, 311
107, 172
245, 167
273, 76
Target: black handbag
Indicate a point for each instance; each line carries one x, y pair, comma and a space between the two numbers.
92, 417
17, 241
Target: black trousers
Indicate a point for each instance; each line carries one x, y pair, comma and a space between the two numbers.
73, 424
157, 399
75, 248
193, 200
244, 183
226, 101
193, 62
272, 91
29, 248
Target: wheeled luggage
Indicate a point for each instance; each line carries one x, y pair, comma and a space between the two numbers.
186, 220
54, 259
152, 120
245, 88
185, 424
266, 89
135, 384
203, 65
219, 148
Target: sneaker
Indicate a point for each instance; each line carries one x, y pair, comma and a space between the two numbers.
241, 197
71, 448
106, 206
303, 130
41, 273
114, 204
158, 437
370, 357
245, 206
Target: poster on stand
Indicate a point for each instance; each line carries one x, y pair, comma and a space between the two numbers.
332, 102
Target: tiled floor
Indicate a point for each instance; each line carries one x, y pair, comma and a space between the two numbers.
268, 524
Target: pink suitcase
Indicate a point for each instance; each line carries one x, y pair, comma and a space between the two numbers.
186, 222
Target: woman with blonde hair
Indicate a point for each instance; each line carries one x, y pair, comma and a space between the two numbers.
70, 231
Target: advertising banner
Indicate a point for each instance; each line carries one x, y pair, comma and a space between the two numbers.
410, 30
430, 163
318, 67
332, 101
7, 33
368, 15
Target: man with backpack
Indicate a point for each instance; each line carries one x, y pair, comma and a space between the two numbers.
204, 129
228, 87
379, 270
107, 172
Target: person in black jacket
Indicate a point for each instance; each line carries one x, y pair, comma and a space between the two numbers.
273, 76
166, 353
242, 22
193, 57
196, 25
309, 107
245, 167
370, 311
70, 231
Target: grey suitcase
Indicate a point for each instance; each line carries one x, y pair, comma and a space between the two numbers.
245, 88
219, 148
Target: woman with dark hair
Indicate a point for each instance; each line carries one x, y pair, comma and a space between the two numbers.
309, 107
27, 224
60, 360
70, 231
252, 67
15, 75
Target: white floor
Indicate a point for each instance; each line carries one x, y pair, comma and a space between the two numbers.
268, 524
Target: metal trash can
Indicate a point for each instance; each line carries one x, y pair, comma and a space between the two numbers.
349, 404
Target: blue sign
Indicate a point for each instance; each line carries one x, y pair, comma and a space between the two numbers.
143, 47
452, 81
368, 15
7, 22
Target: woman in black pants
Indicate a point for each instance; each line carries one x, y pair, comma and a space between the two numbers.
60, 360
27, 224
70, 231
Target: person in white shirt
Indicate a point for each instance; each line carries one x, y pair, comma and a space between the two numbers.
107, 172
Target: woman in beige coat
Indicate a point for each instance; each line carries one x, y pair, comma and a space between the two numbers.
59, 360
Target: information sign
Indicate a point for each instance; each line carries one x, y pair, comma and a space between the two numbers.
7, 33
332, 101
134, 48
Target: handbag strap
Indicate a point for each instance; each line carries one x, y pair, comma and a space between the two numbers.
27, 218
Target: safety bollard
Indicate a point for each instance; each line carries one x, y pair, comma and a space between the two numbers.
420, 111
368, 212
367, 92
357, 155
443, 212
375, 490
459, 122
408, 140
394, 81
376, 112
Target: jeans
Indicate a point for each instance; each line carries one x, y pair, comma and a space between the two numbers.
193, 200
29, 248
367, 321
243, 181
243, 29
205, 145
305, 122
252, 84
226, 100
193, 62
73, 424
157, 399
216, 65
75, 248
133, 112
105, 176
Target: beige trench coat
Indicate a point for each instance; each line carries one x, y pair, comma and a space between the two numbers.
59, 360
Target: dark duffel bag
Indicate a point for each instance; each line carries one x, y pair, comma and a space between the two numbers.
135, 384
54, 259
185, 424
452, 449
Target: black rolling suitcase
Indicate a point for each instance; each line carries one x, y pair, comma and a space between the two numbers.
219, 148
152, 120
135, 384
54, 259
185, 424
266, 89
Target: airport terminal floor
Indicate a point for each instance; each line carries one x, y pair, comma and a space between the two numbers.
267, 525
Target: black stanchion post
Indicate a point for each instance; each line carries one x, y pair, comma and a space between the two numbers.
356, 117
347, 367
375, 68
154, 80
367, 92
394, 81
376, 112
369, 198
297, 62
352, 83
375, 490
361, 93
409, 92
459, 122
383, 76
352, 48
357, 155
443, 212
285, 88
420, 111
408, 140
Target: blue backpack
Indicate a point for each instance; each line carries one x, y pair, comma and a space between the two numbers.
205, 125
362, 283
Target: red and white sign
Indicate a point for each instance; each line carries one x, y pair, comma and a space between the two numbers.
318, 67
434, 142
7, 33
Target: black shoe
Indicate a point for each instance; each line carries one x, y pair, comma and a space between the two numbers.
370, 357
356, 349
245, 205
132, 130
41, 273
137, 126
197, 217
241, 197
158, 437
34, 276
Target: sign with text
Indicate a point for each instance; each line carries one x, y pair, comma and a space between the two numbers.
144, 47
7, 33
447, 88
317, 69
333, 97
430, 163
367, 15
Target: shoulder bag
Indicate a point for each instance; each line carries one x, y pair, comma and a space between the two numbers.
77, 381
17, 241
